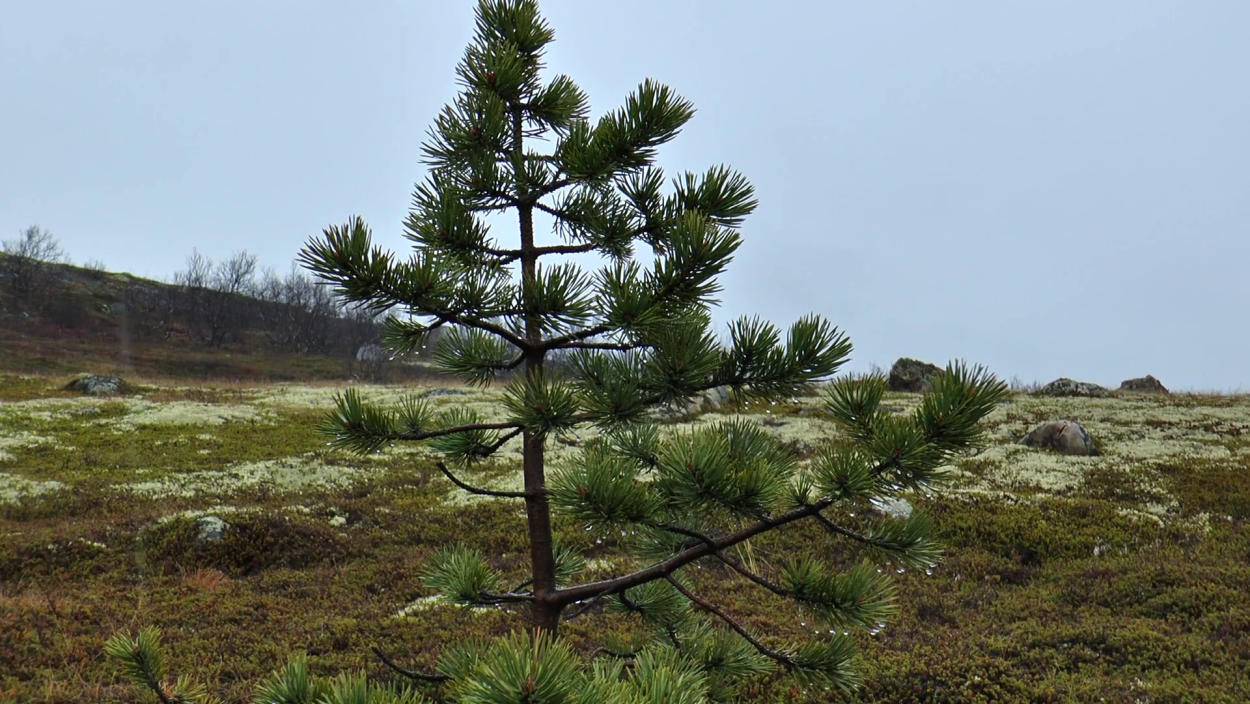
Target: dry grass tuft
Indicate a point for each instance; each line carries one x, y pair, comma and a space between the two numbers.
207, 579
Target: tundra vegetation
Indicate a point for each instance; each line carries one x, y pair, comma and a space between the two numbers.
581, 533
1119, 576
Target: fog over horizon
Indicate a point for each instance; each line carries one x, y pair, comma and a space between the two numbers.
1057, 189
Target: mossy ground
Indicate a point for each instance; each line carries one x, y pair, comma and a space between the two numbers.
1118, 578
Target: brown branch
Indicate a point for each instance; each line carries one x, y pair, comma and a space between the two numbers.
159, 690
566, 249
662, 569
497, 330
611, 653
587, 606
727, 560
410, 674
737, 627
503, 439
445, 315
615, 346
742, 570
508, 598
557, 342
442, 467
835, 528
469, 427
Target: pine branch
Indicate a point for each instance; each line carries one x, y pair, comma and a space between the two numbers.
732, 623
565, 216
503, 439
161, 694
858, 537
727, 560
507, 256
505, 598
662, 569
577, 336
484, 326
742, 570
410, 674
614, 346
565, 249
587, 606
474, 490
611, 653
427, 434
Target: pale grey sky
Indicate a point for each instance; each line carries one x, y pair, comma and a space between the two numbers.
1055, 188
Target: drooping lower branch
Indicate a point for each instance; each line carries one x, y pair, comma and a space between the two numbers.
503, 439
440, 432
586, 606
442, 467
866, 540
410, 674
685, 557
732, 623
753, 577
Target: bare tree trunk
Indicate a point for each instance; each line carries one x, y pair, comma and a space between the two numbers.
546, 612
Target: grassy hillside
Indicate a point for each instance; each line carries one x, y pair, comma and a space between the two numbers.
83, 320
1117, 578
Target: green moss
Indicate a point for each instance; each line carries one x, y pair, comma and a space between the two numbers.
251, 543
1037, 533
1071, 594
1205, 486
24, 388
1139, 486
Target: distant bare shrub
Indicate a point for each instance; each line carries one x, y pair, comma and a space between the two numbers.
26, 266
1018, 385
218, 297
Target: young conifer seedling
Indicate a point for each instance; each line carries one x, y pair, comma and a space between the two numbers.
689, 508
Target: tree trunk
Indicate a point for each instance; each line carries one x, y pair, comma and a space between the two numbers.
546, 613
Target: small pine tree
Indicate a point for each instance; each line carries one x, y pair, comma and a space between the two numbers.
632, 337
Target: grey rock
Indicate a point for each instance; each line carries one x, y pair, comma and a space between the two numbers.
893, 507
210, 529
1144, 385
710, 400
445, 392
1063, 436
912, 375
97, 385
715, 398
1070, 387
371, 353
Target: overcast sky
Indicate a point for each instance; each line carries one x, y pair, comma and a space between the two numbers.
1052, 189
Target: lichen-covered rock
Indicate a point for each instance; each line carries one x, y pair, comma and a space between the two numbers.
1070, 387
1143, 385
912, 375
97, 385
894, 507
711, 400
1063, 436
209, 529
715, 398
